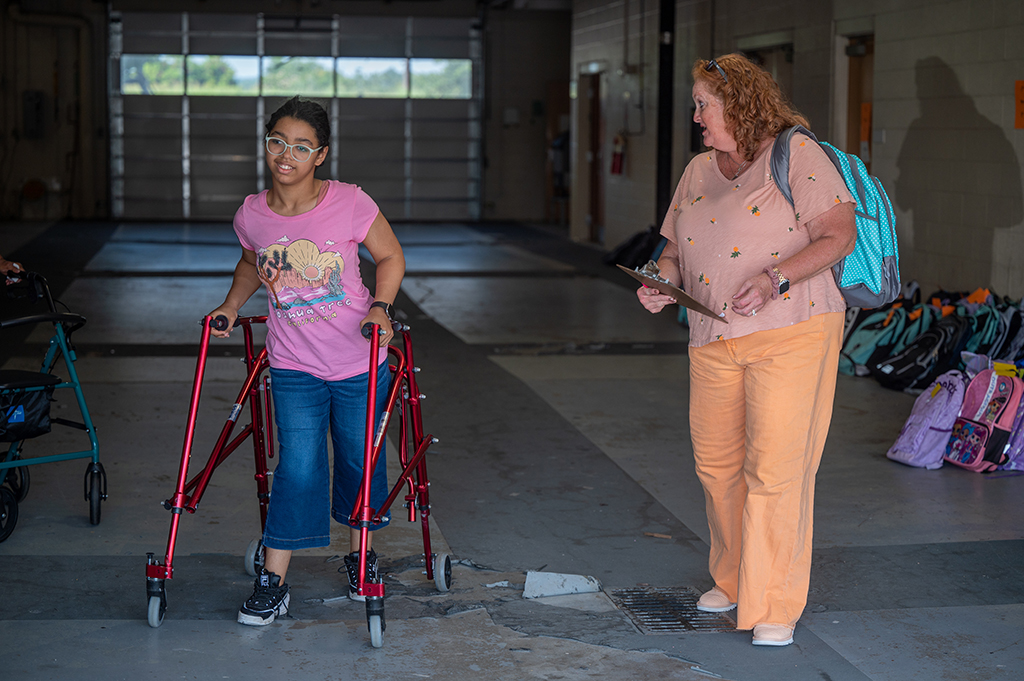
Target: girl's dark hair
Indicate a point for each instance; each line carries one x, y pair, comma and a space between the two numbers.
307, 111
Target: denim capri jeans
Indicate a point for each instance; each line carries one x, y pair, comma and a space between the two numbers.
305, 408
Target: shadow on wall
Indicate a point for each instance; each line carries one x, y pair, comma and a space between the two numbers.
960, 177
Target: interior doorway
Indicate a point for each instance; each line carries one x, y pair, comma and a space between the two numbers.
778, 61
860, 53
557, 130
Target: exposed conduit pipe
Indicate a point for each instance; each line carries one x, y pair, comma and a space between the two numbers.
85, 182
713, 13
628, 69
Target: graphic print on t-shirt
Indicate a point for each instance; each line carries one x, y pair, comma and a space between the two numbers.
298, 274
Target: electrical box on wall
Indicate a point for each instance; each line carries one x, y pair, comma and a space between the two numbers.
32, 117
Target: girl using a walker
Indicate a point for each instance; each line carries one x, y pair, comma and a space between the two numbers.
300, 239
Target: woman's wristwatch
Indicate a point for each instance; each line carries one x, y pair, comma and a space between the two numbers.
384, 306
780, 284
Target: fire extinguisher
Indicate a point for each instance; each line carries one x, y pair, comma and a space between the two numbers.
618, 148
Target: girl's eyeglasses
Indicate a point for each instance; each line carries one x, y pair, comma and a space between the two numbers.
300, 152
714, 65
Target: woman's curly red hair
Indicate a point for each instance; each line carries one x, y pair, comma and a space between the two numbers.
754, 107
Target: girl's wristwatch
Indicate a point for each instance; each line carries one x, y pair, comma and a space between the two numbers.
384, 306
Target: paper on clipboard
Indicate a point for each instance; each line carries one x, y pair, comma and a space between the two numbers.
670, 290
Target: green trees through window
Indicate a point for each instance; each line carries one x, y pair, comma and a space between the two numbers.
372, 78
440, 78
152, 74
221, 75
308, 76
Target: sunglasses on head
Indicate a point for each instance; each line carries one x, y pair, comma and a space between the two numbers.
714, 65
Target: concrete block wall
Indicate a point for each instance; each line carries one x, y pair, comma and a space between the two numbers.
607, 37
598, 37
944, 141
945, 144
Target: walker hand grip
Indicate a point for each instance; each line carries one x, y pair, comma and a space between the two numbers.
220, 322
368, 329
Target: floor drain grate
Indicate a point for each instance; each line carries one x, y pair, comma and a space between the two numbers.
669, 610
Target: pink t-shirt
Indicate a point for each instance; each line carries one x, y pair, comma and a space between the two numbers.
728, 230
310, 266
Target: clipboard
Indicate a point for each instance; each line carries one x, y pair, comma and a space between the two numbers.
669, 290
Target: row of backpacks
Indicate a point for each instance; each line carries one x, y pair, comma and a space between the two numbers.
976, 423
907, 344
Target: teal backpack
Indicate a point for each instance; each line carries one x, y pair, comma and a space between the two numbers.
870, 276
919, 320
984, 329
872, 340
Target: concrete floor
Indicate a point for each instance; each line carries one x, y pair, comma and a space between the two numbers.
561, 410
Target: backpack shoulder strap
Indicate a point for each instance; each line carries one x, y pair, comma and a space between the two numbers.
779, 163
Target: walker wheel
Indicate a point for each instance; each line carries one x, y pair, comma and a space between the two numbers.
443, 572
95, 490
95, 497
376, 631
18, 480
8, 513
254, 557
157, 610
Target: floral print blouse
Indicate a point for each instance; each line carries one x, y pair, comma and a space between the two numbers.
727, 230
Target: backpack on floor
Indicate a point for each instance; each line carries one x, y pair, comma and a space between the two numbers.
1010, 323
636, 250
870, 276
872, 340
853, 318
922, 442
984, 329
936, 351
982, 430
1015, 345
1015, 445
919, 320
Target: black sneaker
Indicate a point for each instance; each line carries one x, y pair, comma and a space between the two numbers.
269, 599
352, 568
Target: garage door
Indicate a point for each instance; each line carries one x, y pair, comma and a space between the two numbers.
190, 95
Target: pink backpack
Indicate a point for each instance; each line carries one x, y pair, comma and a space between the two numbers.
982, 430
1015, 447
923, 439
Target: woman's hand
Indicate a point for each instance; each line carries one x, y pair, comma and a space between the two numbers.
9, 267
224, 311
753, 295
376, 315
653, 299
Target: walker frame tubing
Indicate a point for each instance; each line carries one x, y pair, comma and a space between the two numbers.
59, 342
258, 408
411, 420
403, 392
414, 470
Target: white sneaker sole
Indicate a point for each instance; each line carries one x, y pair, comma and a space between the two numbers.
773, 643
704, 608
257, 621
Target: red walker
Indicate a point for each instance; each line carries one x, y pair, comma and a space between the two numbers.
413, 444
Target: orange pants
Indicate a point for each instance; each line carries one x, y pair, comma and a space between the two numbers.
760, 408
